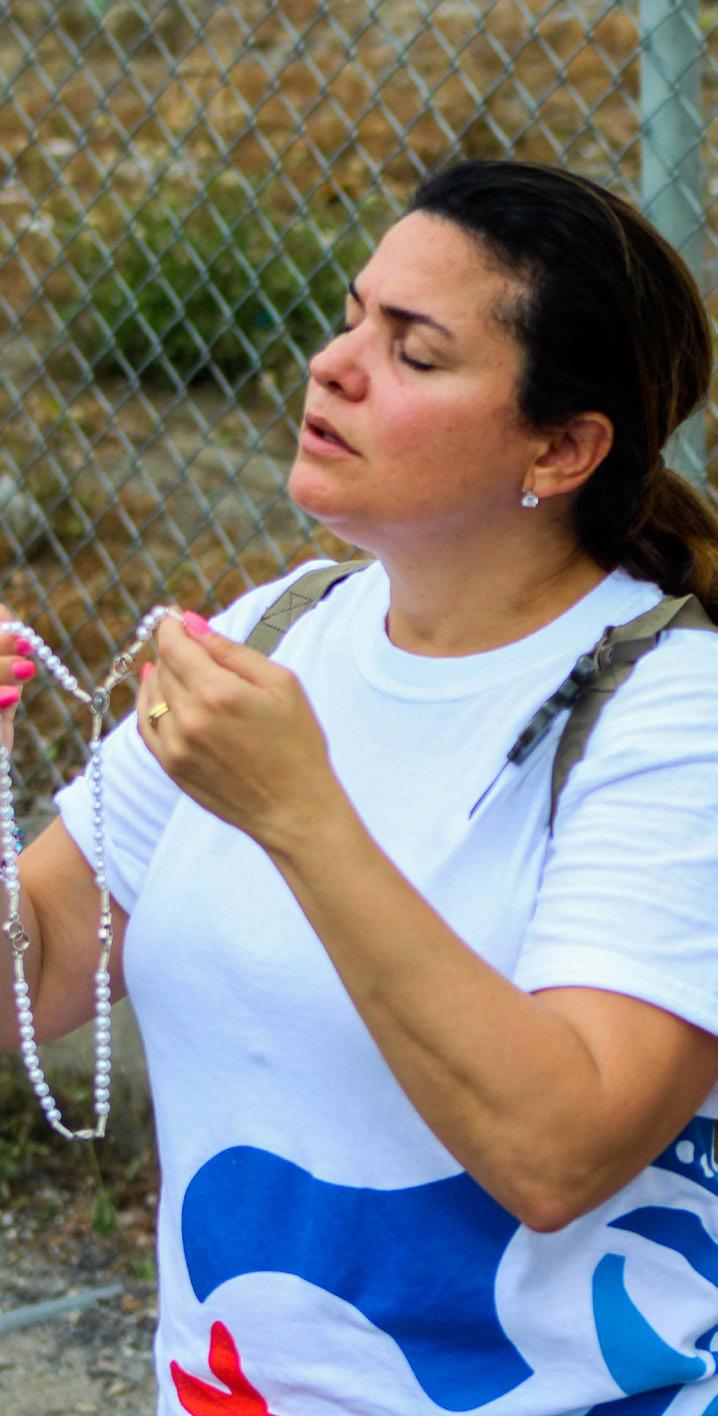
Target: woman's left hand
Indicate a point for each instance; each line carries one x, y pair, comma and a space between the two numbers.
240, 735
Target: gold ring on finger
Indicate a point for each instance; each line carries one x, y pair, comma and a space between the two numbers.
157, 712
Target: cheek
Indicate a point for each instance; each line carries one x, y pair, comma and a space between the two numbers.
416, 425
444, 431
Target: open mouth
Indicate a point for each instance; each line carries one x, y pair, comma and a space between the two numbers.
320, 428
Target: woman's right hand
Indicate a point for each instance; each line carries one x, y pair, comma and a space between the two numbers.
16, 668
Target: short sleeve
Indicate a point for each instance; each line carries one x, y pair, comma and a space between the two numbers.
139, 797
628, 899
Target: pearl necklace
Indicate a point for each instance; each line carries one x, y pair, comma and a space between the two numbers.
98, 703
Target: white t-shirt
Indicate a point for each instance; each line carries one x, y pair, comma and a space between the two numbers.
320, 1250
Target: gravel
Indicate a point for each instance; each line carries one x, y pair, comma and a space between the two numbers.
93, 1362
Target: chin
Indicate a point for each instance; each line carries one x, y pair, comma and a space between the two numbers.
312, 491
327, 500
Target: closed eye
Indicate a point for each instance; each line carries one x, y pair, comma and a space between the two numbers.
419, 364
415, 363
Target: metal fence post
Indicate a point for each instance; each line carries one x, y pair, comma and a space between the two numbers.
671, 132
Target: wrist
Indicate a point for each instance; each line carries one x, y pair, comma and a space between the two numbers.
306, 839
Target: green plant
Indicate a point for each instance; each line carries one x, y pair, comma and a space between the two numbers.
104, 1209
195, 289
32, 1156
26, 1141
143, 1267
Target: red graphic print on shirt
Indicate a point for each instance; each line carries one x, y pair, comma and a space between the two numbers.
201, 1399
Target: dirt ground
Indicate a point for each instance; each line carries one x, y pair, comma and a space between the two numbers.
93, 1362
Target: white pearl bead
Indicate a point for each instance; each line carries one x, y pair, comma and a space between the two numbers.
98, 702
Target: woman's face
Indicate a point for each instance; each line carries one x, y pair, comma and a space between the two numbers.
411, 427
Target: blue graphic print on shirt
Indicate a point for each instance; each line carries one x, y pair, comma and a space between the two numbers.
417, 1250
635, 1355
434, 1250
692, 1154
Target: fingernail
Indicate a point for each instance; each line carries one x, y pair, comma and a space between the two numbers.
8, 697
23, 645
145, 671
23, 669
195, 624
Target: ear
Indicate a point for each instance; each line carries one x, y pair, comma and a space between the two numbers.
574, 452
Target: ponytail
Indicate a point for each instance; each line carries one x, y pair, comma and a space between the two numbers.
677, 544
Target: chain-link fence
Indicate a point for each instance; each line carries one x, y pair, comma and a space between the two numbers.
188, 186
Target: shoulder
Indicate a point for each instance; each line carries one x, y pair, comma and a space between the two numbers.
672, 694
658, 733
240, 617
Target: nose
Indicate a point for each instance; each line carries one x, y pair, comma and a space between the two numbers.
339, 368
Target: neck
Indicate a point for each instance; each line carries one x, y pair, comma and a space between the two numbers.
450, 605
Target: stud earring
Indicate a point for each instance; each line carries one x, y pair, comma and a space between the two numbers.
529, 499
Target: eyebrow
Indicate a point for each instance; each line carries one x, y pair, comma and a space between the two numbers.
396, 312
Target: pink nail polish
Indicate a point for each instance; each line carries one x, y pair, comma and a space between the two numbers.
22, 645
23, 669
195, 624
145, 671
8, 697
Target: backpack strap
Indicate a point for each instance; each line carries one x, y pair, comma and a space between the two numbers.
302, 595
594, 679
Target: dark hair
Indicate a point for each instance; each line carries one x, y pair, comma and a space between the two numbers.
610, 320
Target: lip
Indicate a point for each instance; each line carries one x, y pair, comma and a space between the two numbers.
312, 440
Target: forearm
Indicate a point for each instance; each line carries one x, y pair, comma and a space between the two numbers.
498, 1076
59, 912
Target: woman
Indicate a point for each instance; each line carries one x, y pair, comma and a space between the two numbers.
433, 1085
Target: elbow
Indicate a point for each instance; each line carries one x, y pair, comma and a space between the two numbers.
547, 1208
546, 1202
547, 1214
